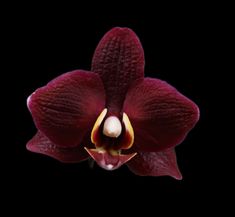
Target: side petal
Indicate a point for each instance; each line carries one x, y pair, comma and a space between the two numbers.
41, 144
67, 107
155, 164
119, 60
161, 117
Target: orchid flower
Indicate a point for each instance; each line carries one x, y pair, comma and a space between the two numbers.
112, 113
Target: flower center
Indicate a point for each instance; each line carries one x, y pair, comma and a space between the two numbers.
121, 133
112, 127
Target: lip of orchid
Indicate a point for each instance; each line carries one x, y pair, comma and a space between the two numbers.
109, 160
109, 156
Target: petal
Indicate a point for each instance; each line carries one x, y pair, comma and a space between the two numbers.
128, 137
119, 60
96, 130
160, 115
41, 144
108, 160
155, 164
67, 107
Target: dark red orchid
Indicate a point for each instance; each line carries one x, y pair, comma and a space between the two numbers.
112, 113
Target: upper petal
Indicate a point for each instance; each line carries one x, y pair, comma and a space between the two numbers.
119, 60
155, 164
160, 115
67, 107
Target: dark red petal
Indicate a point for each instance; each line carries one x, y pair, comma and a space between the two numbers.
119, 60
67, 107
155, 164
41, 144
161, 117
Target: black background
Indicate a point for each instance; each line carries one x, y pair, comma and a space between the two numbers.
44, 42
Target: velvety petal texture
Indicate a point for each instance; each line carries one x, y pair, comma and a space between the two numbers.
160, 115
67, 107
155, 164
41, 144
119, 60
